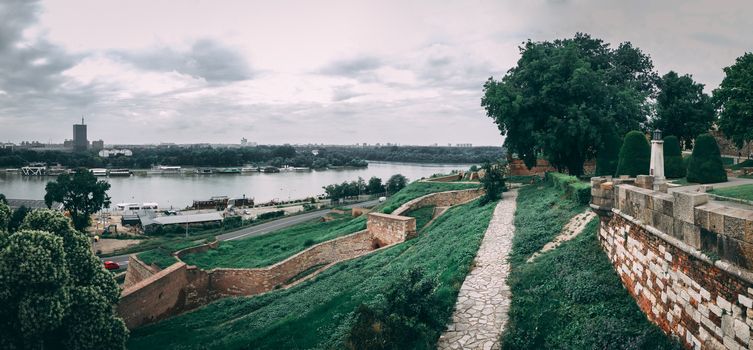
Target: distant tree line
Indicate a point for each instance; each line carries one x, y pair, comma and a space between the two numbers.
374, 186
278, 156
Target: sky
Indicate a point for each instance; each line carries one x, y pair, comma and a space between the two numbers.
334, 72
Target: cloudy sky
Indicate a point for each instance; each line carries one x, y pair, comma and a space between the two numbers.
410, 72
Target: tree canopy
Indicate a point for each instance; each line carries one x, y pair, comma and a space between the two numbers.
396, 183
81, 194
607, 155
682, 108
563, 96
635, 155
54, 293
734, 100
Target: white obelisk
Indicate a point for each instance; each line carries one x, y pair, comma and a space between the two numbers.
657, 158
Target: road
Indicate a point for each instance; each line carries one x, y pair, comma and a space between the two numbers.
261, 229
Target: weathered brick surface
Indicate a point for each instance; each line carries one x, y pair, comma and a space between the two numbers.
519, 168
137, 271
155, 297
389, 229
703, 305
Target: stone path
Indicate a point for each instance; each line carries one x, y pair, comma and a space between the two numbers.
573, 228
484, 299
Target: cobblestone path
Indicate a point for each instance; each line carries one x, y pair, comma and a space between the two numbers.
484, 299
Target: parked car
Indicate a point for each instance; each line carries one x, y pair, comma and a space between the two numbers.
111, 265
382, 199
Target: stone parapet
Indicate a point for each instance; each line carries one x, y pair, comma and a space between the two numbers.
389, 229
137, 271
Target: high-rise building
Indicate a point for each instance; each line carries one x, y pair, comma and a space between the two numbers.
98, 145
80, 143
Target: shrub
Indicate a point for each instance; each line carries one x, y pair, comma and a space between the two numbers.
270, 215
232, 222
706, 162
635, 155
493, 183
571, 187
608, 155
673, 165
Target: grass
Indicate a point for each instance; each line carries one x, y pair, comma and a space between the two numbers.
162, 256
744, 164
571, 297
318, 313
268, 249
422, 215
740, 192
418, 189
539, 218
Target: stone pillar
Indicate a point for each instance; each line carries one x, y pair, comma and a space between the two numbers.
657, 158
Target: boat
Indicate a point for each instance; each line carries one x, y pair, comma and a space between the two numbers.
98, 172
120, 172
271, 169
204, 171
249, 170
229, 171
164, 169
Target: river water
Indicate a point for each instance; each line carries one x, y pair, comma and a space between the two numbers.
179, 191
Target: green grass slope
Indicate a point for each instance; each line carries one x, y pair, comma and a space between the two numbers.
268, 249
571, 297
319, 313
740, 192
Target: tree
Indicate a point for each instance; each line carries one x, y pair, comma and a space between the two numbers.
607, 156
635, 155
674, 167
734, 100
81, 194
54, 293
493, 183
396, 183
705, 164
564, 97
3, 199
17, 218
682, 108
375, 186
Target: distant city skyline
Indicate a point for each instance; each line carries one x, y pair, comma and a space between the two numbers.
338, 72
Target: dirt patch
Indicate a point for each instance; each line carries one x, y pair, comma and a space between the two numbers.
109, 245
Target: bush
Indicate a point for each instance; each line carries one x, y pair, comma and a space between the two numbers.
635, 155
270, 215
493, 183
571, 187
608, 155
231, 222
674, 167
706, 162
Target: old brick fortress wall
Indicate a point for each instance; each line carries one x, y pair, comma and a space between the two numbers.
153, 295
688, 276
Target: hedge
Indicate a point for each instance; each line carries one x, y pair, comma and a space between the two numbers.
572, 187
674, 167
635, 155
706, 162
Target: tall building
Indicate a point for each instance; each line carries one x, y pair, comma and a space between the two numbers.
80, 143
98, 145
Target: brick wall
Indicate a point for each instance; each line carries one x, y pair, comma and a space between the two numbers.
155, 297
686, 294
448, 178
519, 168
684, 257
137, 271
389, 229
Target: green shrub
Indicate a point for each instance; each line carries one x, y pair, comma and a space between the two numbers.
674, 167
635, 155
572, 187
493, 183
607, 156
744, 164
270, 215
706, 162
232, 222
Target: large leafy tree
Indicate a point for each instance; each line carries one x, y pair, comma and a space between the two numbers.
563, 97
682, 108
81, 194
54, 293
395, 183
734, 100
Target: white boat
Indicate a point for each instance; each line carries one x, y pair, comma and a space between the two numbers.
99, 172
120, 172
164, 169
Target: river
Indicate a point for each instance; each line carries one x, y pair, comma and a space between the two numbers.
179, 191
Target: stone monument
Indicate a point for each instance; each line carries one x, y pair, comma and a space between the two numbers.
657, 159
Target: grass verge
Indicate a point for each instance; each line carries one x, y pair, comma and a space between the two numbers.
422, 215
268, 249
417, 189
319, 313
571, 297
740, 192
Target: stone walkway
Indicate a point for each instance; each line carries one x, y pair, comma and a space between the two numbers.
484, 299
572, 229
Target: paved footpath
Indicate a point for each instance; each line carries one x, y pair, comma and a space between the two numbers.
481, 309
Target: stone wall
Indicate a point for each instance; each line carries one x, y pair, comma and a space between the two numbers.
684, 257
447, 178
389, 229
230, 282
441, 199
137, 271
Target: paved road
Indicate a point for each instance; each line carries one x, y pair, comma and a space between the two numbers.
261, 229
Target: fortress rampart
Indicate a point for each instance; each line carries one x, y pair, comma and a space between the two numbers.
683, 256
